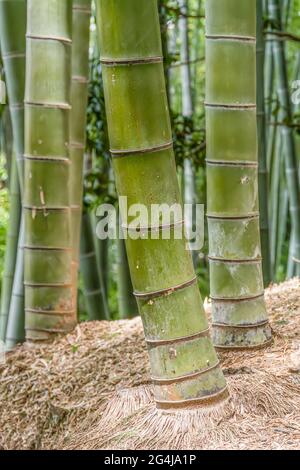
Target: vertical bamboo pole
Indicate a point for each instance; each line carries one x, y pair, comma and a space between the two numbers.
12, 37
287, 133
239, 313
126, 301
187, 111
79, 97
49, 303
10, 249
92, 279
15, 333
184, 365
262, 151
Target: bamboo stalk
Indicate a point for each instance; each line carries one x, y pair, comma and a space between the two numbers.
12, 37
287, 134
238, 307
274, 197
262, 156
79, 97
10, 250
49, 299
185, 368
92, 279
126, 301
187, 111
15, 333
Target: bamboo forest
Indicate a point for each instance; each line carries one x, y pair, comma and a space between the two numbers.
150, 227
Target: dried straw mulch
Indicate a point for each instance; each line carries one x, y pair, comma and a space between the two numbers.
91, 390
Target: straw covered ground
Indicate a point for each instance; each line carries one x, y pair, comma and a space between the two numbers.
91, 390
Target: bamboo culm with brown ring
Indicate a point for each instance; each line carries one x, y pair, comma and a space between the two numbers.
49, 298
236, 282
184, 365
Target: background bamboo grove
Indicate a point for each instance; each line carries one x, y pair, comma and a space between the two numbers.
162, 101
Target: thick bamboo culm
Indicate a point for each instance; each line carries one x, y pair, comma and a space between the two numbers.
79, 96
49, 302
237, 291
13, 44
184, 365
287, 135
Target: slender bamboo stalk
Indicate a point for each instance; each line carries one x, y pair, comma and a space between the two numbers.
187, 111
283, 211
102, 248
6, 139
262, 151
239, 313
10, 249
79, 97
92, 279
184, 365
126, 301
2, 91
274, 197
287, 133
49, 301
12, 37
15, 333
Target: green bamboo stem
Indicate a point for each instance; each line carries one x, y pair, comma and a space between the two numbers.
283, 218
15, 333
262, 157
12, 37
126, 301
13, 45
10, 249
6, 139
79, 97
287, 133
92, 279
49, 299
185, 368
274, 198
187, 111
2, 92
102, 247
237, 291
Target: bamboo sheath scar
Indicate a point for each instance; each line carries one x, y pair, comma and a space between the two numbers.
183, 361
237, 291
49, 300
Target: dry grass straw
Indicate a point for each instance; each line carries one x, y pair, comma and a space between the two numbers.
91, 390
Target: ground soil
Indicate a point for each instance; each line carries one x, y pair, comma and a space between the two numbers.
92, 390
